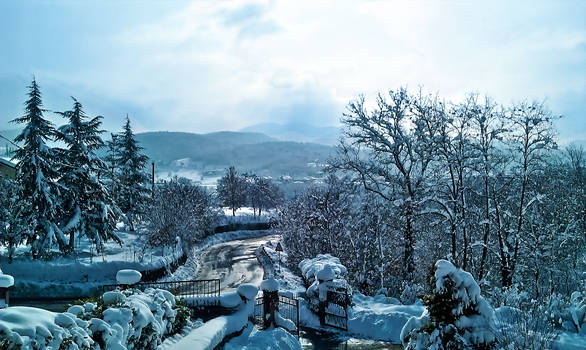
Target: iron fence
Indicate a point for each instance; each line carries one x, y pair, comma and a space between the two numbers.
181, 289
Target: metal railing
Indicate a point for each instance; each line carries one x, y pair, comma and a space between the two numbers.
181, 289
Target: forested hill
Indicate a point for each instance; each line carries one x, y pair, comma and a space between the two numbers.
247, 151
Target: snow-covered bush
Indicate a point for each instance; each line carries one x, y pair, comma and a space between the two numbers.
411, 292
457, 316
120, 320
570, 314
327, 274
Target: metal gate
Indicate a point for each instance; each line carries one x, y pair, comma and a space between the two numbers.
335, 311
288, 309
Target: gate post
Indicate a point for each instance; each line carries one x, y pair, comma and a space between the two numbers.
270, 294
6, 281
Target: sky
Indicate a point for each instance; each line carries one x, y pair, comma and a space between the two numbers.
203, 66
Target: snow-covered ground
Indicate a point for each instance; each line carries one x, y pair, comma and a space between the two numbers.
67, 277
270, 339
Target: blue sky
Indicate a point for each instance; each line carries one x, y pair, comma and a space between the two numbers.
223, 65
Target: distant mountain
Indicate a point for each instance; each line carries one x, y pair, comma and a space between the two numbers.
299, 132
209, 154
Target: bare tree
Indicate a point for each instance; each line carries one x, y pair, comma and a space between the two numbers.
389, 149
232, 190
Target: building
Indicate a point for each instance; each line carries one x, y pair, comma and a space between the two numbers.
7, 169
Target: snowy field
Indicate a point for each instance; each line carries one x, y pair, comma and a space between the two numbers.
85, 273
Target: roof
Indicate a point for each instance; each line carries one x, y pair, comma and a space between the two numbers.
7, 163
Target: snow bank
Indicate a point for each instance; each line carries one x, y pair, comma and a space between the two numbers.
211, 333
270, 339
380, 317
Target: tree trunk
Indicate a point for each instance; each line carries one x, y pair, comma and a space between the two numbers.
408, 260
486, 231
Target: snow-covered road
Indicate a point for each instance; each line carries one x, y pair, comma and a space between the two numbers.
233, 262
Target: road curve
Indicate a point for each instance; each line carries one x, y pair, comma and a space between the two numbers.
233, 262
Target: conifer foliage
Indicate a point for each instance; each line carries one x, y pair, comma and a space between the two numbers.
87, 207
134, 191
36, 170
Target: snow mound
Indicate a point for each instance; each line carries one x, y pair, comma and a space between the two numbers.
310, 267
230, 300
128, 276
113, 297
248, 291
76, 310
270, 285
326, 274
6, 281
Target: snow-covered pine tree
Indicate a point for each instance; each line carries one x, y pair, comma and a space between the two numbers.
134, 191
36, 172
111, 174
87, 208
457, 316
13, 230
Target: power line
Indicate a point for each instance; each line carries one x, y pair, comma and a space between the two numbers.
9, 140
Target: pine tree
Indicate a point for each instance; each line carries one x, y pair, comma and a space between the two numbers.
111, 175
88, 209
134, 192
35, 173
13, 231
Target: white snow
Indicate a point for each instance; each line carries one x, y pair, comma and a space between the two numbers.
128, 276
248, 291
310, 267
270, 285
270, 339
113, 297
326, 273
379, 317
211, 333
6, 281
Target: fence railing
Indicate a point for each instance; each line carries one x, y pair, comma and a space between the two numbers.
181, 289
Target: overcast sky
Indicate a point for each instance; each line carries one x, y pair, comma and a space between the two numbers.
223, 65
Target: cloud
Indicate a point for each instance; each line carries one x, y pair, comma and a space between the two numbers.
204, 66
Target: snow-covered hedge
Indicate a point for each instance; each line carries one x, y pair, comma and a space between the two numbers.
325, 273
120, 320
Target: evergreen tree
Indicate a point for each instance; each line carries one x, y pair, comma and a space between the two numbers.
87, 207
13, 230
35, 172
134, 192
111, 173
